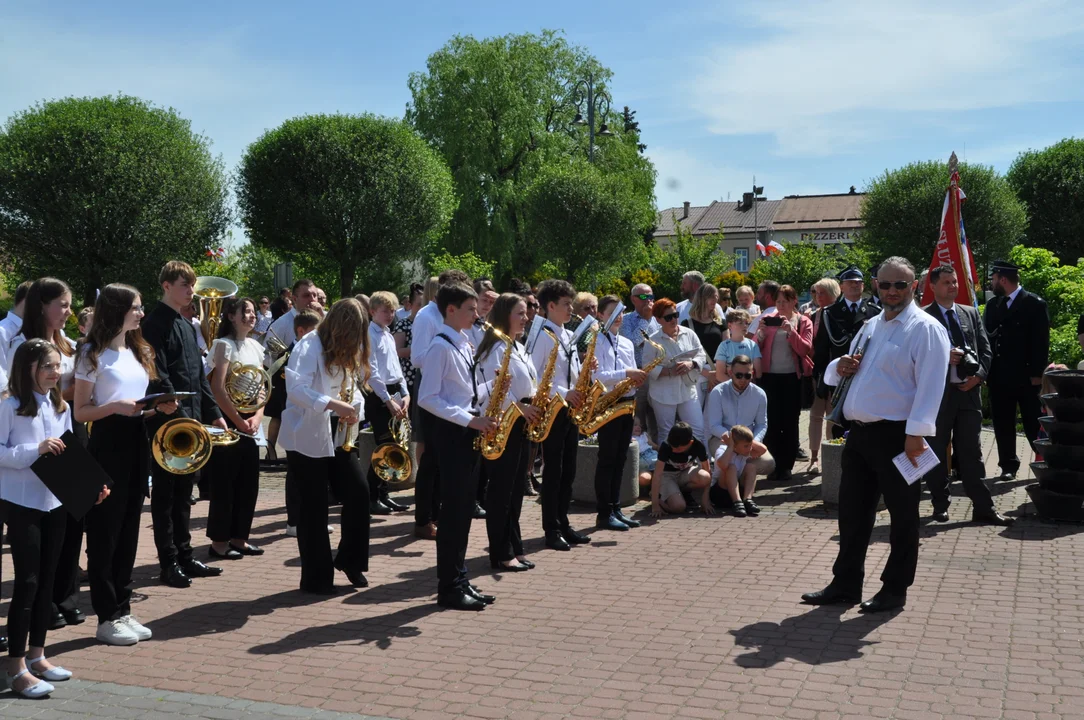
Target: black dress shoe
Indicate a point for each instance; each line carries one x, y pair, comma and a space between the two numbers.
829, 596
196, 569
396, 506
192, 499
499, 566
357, 578
940, 516
174, 576
1006, 475
526, 563
802, 454
74, 617
230, 554
574, 538
247, 549
554, 541
625, 518
479, 511
57, 621
459, 600
610, 522
883, 602
378, 508
991, 517
3, 643
479, 595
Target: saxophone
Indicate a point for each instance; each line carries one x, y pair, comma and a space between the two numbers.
613, 405
539, 431
492, 446
588, 390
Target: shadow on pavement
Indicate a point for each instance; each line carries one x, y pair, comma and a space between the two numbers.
817, 637
379, 631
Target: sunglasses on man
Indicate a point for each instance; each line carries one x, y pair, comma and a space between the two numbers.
645, 296
532, 305
899, 284
742, 376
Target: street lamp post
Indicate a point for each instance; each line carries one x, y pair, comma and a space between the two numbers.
598, 103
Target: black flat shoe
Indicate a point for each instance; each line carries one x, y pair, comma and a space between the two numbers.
610, 522
379, 508
830, 596
479, 511
939, 516
356, 578
992, 517
248, 549
57, 621
751, 507
231, 553
3, 643
501, 567
883, 602
554, 541
574, 538
196, 569
395, 506
622, 517
175, 577
192, 499
74, 617
526, 563
459, 600
479, 595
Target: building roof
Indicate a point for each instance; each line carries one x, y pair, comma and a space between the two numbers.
664, 223
819, 212
727, 216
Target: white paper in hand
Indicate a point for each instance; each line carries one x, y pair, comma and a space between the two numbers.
926, 462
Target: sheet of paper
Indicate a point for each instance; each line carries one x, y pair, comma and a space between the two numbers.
926, 462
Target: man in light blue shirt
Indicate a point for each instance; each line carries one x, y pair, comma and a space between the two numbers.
641, 318
738, 402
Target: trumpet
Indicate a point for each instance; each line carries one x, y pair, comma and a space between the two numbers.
212, 292
840, 395
183, 445
346, 435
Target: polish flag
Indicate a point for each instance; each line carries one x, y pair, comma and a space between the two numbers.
774, 248
760, 249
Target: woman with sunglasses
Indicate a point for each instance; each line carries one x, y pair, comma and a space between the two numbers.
673, 383
706, 320
785, 338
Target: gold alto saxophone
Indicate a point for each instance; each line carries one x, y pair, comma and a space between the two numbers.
492, 445
540, 430
613, 405
588, 390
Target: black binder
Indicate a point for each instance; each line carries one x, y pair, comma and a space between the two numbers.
73, 476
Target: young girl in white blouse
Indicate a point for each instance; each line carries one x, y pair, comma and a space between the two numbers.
324, 377
235, 468
113, 368
32, 419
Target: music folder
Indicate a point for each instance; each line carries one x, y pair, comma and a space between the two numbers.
73, 476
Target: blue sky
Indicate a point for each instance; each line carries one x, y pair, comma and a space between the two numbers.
810, 97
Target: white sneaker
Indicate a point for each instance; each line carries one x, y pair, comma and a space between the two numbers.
330, 529
291, 531
116, 632
140, 631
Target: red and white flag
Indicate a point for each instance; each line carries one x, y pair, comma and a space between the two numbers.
952, 248
774, 248
760, 249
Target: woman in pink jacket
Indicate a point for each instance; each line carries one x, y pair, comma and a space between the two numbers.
785, 338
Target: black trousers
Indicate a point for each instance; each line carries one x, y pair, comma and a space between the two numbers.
613, 448
453, 447
292, 499
427, 482
36, 539
504, 504
558, 472
66, 583
959, 420
868, 473
784, 391
1004, 400
171, 513
121, 447
313, 477
236, 485
379, 417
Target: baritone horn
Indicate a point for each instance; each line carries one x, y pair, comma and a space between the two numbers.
212, 293
391, 461
183, 445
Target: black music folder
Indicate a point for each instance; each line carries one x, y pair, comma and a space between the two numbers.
74, 476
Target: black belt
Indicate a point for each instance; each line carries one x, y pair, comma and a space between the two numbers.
527, 400
878, 423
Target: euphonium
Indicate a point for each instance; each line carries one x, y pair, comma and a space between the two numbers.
613, 405
248, 386
391, 461
492, 445
539, 431
840, 395
590, 391
183, 445
211, 293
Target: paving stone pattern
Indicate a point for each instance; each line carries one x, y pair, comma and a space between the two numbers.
686, 617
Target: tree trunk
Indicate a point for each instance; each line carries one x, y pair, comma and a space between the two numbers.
346, 279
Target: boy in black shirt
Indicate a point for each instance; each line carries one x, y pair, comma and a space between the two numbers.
682, 465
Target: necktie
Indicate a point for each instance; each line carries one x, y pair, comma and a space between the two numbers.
955, 331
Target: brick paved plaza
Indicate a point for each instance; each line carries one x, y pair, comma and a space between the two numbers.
685, 617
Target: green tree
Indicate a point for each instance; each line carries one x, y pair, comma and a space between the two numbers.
902, 213
684, 252
1051, 184
347, 192
100, 190
498, 110
582, 219
468, 262
1062, 286
799, 265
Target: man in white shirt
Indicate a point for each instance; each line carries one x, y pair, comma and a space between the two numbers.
13, 321
283, 329
690, 283
390, 400
767, 294
892, 403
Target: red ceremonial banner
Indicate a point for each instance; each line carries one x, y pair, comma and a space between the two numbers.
952, 248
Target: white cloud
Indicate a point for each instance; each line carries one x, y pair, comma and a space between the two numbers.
825, 76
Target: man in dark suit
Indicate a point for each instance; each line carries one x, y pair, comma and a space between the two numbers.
960, 416
839, 323
1019, 329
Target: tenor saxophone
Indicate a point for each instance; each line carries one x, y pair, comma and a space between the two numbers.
588, 390
613, 404
492, 445
551, 406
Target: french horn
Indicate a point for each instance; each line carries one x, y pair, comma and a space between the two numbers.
248, 386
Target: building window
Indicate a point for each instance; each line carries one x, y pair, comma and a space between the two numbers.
741, 260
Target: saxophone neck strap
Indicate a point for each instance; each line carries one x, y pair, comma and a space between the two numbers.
471, 365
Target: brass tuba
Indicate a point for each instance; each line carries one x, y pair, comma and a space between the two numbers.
492, 446
391, 461
212, 293
183, 445
249, 387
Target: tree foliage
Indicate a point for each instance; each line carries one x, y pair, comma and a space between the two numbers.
799, 265
684, 252
583, 219
499, 110
902, 212
468, 262
344, 192
1062, 286
1051, 184
98, 190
